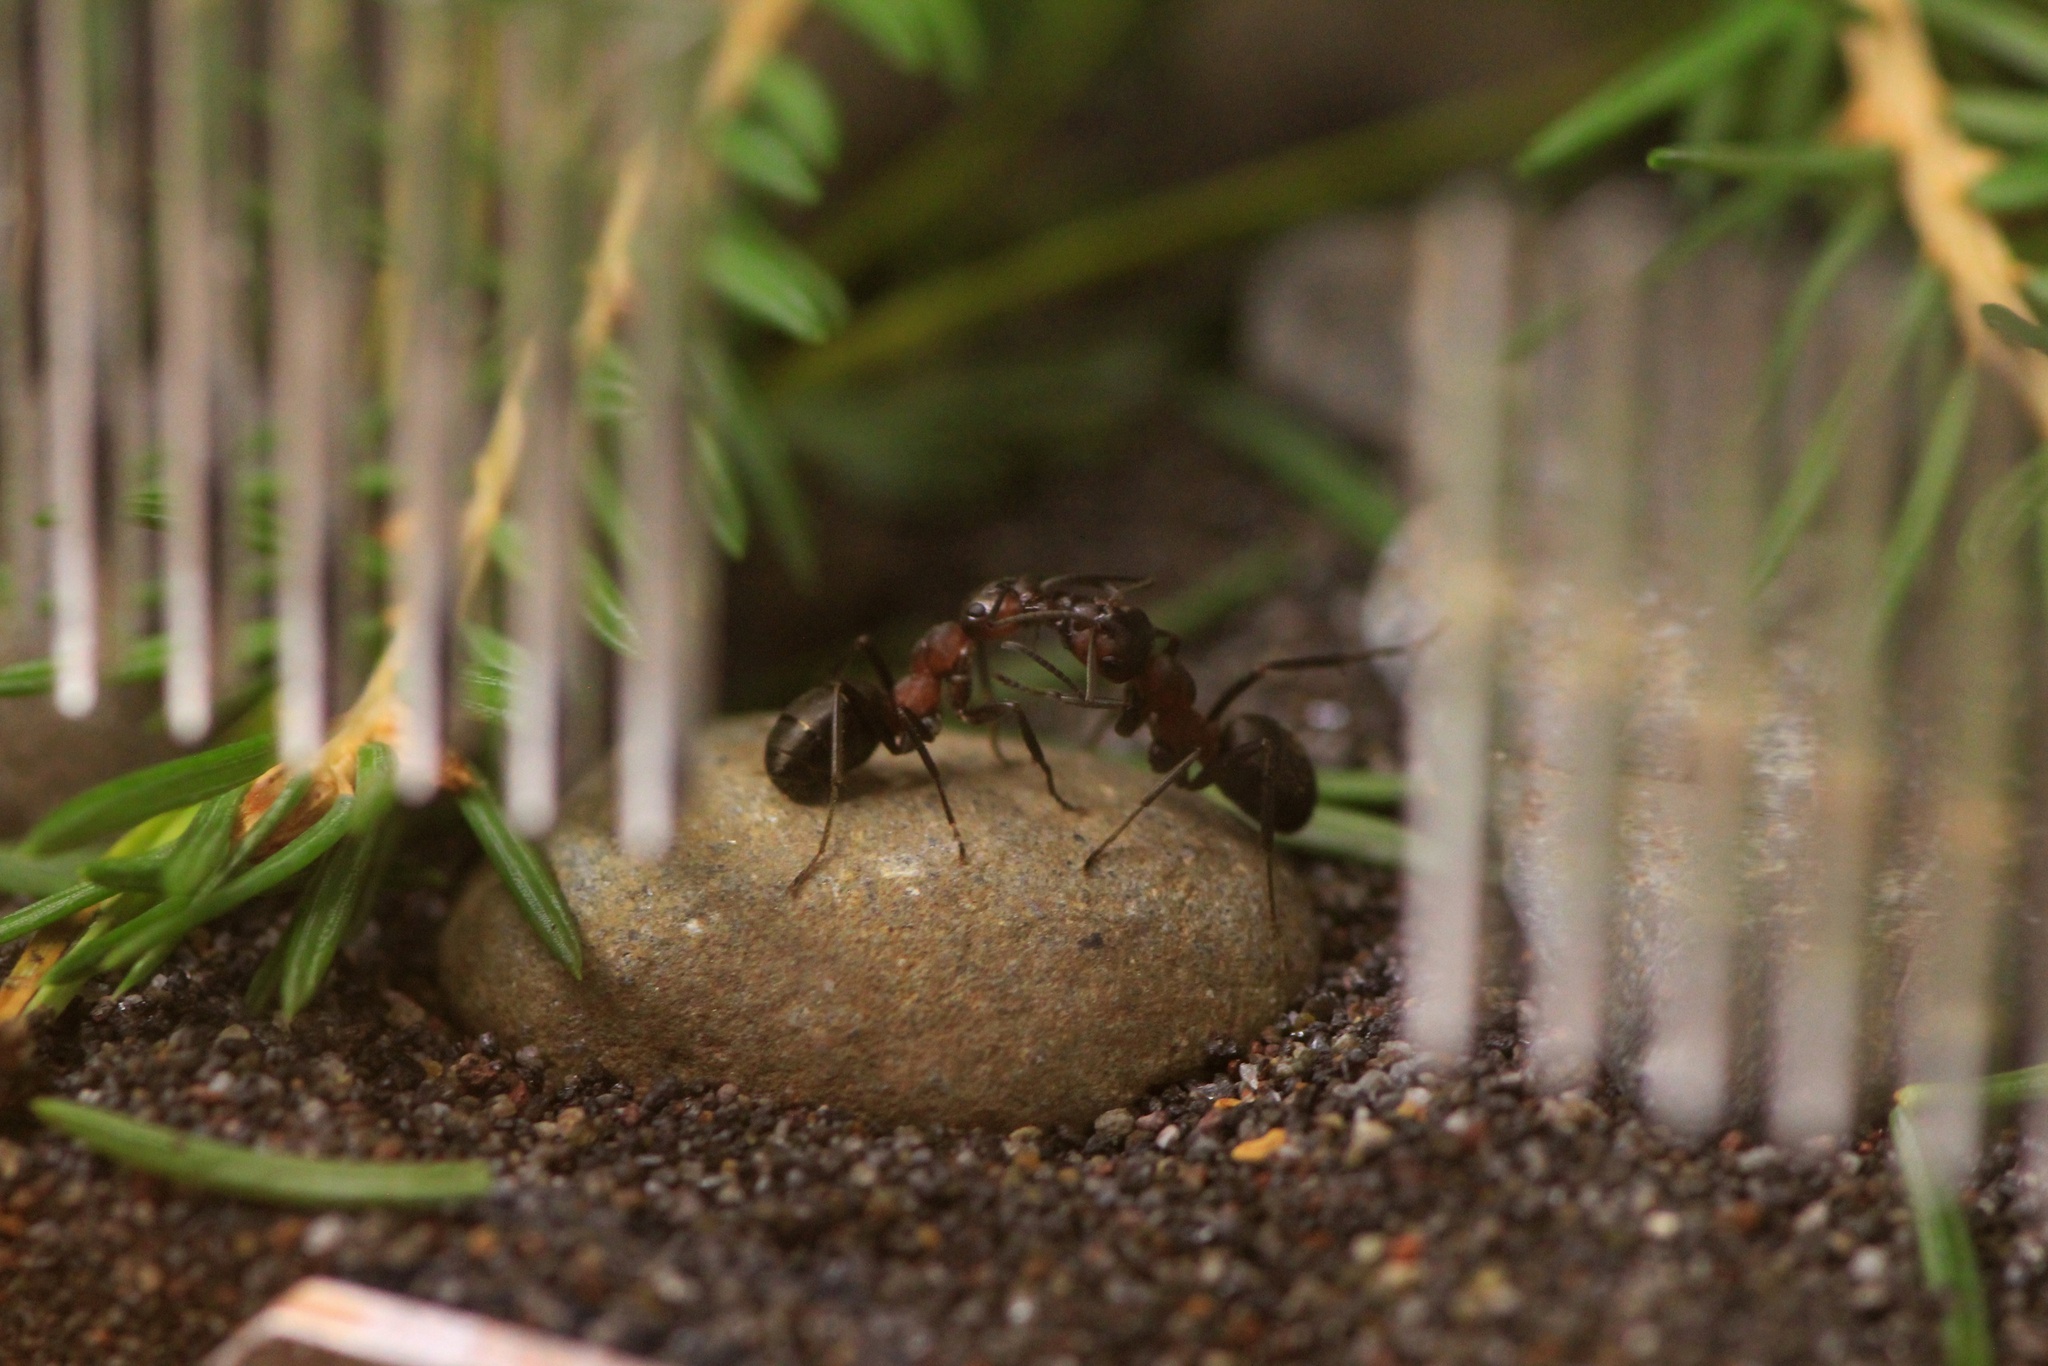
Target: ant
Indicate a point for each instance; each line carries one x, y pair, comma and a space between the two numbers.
1254, 760
838, 726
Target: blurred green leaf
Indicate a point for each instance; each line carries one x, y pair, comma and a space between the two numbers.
25, 875
952, 434
897, 28
1854, 232
789, 95
1803, 161
204, 846
720, 494
607, 389
2015, 329
1309, 461
118, 804
489, 659
1661, 82
2006, 33
2019, 186
761, 456
1941, 456
1948, 1259
2004, 118
248, 1174
1795, 93
56, 907
760, 156
1813, 474
958, 45
1247, 577
1361, 786
769, 280
604, 608
2005, 512
325, 914
30, 678
1337, 832
526, 876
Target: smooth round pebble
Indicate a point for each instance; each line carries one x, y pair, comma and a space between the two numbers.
899, 983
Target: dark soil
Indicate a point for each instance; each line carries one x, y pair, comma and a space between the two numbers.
690, 1222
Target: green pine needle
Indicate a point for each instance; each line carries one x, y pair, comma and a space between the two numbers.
761, 156
1802, 161
248, 1174
1311, 463
1361, 786
2001, 117
2006, 33
1941, 457
526, 877
771, 281
2019, 186
791, 97
1661, 83
134, 797
1948, 1258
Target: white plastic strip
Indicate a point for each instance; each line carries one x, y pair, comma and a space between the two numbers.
303, 356
1576, 655
1704, 485
1458, 323
185, 371
1971, 834
321, 1322
21, 466
1815, 1007
69, 233
423, 436
540, 138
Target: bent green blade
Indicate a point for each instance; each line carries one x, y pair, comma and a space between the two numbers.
275, 1178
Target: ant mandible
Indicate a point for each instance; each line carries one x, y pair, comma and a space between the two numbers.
837, 727
1254, 760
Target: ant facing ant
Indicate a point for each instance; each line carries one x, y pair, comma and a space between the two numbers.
1254, 760
837, 727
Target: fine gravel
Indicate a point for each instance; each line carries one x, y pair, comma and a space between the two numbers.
1319, 1196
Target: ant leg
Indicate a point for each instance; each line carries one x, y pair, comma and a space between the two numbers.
907, 726
1042, 662
831, 803
1172, 776
996, 711
995, 733
1237, 689
1071, 699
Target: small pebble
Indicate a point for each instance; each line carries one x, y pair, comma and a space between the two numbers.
1115, 1123
1662, 1224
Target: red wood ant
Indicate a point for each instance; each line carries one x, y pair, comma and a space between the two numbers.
837, 727
1254, 760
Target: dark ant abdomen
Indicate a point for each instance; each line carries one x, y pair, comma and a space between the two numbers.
1257, 751
799, 750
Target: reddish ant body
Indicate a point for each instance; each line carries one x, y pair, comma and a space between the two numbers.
837, 727
1254, 760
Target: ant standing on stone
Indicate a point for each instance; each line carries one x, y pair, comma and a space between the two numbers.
1254, 760
832, 729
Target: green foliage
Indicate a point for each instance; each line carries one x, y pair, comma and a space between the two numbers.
2019, 186
1308, 461
526, 877
2004, 118
719, 493
51, 910
24, 875
330, 910
2015, 329
761, 155
2006, 33
1337, 832
1361, 786
1249, 576
762, 275
789, 97
1805, 161
1661, 83
134, 797
248, 1174
1948, 1260
1941, 456
941, 36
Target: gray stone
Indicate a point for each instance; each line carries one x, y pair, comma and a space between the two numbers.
45, 758
899, 983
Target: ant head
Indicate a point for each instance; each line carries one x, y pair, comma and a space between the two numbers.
984, 612
1121, 641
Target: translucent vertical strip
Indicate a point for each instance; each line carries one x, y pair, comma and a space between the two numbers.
671, 578
1705, 452
20, 464
1458, 321
1947, 1011
127, 553
541, 130
422, 437
305, 36
184, 366
1579, 645
69, 231
1814, 1018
